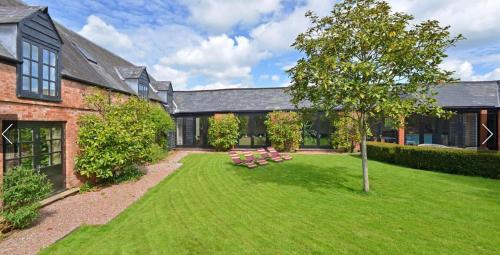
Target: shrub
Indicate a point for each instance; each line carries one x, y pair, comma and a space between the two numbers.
223, 131
381, 151
121, 135
284, 129
157, 153
129, 173
453, 161
345, 135
23, 189
23, 217
87, 187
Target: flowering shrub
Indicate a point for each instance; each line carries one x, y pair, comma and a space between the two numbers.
223, 131
285, 130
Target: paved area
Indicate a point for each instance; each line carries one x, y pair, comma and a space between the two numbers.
60, 218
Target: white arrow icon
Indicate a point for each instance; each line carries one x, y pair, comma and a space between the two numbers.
489, 131
3, 133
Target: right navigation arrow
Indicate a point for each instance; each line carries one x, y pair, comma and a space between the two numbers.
489, 131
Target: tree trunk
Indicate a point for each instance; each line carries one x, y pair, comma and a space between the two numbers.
364, 163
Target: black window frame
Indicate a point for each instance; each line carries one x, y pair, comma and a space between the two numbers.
40, 79
142, 90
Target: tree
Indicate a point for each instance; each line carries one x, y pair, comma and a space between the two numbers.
369, 60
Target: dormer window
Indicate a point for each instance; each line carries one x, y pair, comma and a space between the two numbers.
39, 69
38, 51
137, 79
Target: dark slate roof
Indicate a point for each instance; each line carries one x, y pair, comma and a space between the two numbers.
14, 14
104, 73
469, 94
12, 3
456, 95
74, 64
232, 100
131, 72
162, 85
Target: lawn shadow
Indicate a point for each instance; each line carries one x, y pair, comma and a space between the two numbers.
312, 177
476, 183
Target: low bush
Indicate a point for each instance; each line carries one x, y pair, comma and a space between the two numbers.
23, 217
129, 173
157, 153
284, 130
453, 161
23, 189
87, 187
223, 131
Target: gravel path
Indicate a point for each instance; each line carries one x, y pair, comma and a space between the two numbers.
62, 217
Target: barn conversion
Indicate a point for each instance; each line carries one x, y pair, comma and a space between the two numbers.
46, 70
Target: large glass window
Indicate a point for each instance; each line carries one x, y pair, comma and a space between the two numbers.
201, 131
245, 139
259, 134
309, 133
317, 130
180, 131
39, 72
412, 131
458, 131
253, 131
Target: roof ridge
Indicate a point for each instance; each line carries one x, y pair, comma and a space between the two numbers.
224, 89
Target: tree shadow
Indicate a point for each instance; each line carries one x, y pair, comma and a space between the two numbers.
312, 177
482, 186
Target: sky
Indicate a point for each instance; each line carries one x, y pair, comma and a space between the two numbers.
212, 44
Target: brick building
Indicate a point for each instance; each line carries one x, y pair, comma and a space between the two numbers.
45, 72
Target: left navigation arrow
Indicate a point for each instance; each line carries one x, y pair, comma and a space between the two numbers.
3, 133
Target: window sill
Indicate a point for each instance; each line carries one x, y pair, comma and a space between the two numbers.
40, 98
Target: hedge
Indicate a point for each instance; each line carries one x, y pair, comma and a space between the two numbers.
452, 161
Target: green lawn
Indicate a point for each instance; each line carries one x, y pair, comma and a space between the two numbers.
310, 205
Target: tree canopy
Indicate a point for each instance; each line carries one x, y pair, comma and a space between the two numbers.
369, 60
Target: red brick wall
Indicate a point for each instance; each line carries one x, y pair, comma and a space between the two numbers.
483, 134
68, 111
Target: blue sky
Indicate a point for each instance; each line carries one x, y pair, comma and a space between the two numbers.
204, 44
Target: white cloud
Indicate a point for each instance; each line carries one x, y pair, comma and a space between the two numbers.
275, 78
464, 70
478, 20
278, 35
219, 85
264, 77
178, 78
151, 43
218, 57
221, 15
105, 34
